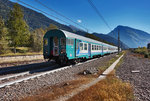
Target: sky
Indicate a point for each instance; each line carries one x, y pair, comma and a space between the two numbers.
132, 13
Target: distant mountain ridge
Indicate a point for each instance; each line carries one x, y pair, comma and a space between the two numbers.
132, 37
33, 18
111, 40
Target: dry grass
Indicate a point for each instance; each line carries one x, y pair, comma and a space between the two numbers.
109, 89
16, 54
53, 92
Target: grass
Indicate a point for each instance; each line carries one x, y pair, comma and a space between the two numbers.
27, 53
109, 89
110, 62
21, 51
53, 92
143, 51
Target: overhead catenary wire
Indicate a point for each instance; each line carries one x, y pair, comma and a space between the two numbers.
60, 14
35, 17
50, 14
42, 11
99, 14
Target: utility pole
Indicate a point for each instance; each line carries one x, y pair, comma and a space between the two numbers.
118, 42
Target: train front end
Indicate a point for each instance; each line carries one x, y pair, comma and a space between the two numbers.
54, 45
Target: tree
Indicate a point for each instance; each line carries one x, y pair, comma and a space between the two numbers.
36, 40
3, 37
51, 26
18, 28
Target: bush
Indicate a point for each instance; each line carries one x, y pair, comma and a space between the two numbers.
146, 55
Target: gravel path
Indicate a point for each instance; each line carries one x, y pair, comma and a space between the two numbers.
23, 89
137, 71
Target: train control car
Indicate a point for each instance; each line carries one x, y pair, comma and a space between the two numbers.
62, 46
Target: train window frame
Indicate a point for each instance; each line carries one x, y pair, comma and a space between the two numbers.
54, 41
97, 47
81, 44
45, 41
77, 45
100, 47
92, 47
70, 42
64, 43
85, 46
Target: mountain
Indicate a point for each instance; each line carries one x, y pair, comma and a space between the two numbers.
75, 28
38, 20
132, 37
33, 18
111, 40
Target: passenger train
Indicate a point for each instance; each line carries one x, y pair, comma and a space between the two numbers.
62, 46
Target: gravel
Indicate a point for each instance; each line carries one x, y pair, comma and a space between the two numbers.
30, 87
137, 72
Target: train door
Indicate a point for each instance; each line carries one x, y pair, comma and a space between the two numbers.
63, 45
55, 46
70, 48
51, 46
89, 50
102, 50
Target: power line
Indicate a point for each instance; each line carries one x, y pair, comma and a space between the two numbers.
42, 11
60, 14
49, 14
33, 15
99, 14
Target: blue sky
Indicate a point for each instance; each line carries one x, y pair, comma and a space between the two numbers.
132, 13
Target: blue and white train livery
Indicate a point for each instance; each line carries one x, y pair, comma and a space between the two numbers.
62, 46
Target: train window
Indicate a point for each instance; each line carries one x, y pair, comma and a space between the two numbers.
97, 47
55, 41
45, 41
92, 47
105, 48
56, 51
81, 46
63, 41
85, 46
70, 41
100, 47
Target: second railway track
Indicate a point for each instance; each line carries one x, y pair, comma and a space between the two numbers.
10, 79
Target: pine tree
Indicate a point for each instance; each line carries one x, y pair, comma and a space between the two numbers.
3, 37
18, 28
36, 40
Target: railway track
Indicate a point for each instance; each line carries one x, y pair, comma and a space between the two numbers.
10, 79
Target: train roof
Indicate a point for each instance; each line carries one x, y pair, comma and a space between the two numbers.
75, 36
72, 35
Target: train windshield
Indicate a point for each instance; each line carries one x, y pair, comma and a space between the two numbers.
63, 45
56, 46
